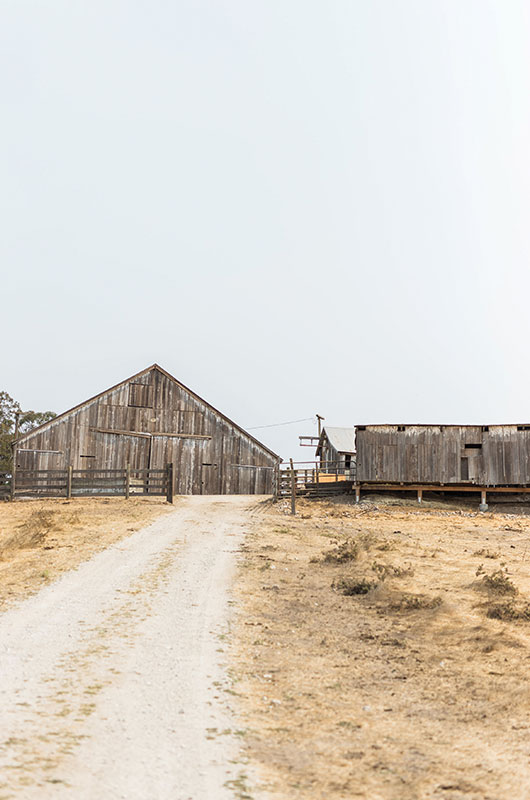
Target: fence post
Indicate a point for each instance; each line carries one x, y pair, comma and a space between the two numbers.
69, 482
293, 489
15, 454
170, 484
127, 480
276, 483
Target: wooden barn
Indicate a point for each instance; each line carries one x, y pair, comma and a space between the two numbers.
148, 421
488, 455
336, 449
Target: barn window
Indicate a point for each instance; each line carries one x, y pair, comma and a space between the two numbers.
141, 395
401, 428
472, 447
361, 427
523, 427
464, 469
485, 429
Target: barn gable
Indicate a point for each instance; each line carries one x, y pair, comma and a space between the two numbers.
148, 421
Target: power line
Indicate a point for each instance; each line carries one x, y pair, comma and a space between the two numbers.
277, 424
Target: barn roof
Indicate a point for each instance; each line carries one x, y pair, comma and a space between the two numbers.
342, 439
444, 425
59, 417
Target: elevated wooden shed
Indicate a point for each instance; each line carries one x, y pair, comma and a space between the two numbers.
336, 449
148, 421
488, 455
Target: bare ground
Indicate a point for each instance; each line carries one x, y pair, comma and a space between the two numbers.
41, 539
413, 686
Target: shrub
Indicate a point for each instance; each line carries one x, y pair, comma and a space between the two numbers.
413, 602
353, 586
384, 571
342, 553
496, 582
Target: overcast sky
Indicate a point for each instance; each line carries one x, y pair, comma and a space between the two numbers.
293, 206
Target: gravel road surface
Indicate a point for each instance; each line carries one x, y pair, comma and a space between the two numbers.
112, 682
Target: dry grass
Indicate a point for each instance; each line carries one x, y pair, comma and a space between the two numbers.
496, 582
40, 539
340, 554
385, 674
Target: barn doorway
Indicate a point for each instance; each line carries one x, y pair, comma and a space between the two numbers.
210, 483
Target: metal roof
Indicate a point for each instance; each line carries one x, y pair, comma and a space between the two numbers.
342, 439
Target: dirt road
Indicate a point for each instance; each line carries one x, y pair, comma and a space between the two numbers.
112, 681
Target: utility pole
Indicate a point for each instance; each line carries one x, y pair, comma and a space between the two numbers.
320, 420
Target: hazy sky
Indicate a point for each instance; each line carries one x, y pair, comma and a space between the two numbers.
292, 206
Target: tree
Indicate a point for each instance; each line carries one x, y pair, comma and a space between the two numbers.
28, 420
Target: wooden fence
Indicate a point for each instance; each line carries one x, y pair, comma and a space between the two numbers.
315, 479
5, 485
89, 483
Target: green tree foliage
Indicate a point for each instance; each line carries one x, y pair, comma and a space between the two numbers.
27, 420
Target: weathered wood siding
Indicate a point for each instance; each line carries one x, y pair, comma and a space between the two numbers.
329, 454
494, 455
210, 454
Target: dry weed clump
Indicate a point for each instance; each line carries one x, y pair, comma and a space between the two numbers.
353, 586
32, 532
509, 611
384, 571
496, 582
412, 602
487, 553
341, 554
384, 545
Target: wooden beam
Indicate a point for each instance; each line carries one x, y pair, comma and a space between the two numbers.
122, 433
151, 435
31, 450
441, 487
182, 435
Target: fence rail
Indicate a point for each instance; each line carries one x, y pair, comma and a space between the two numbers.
315, 479
88, 482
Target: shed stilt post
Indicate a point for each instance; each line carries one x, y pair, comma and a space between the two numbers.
69, 482
357, 493
170, 484
420, 495
483, 501
127, 481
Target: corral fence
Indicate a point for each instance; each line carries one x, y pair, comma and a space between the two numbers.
71, 482
315, 479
